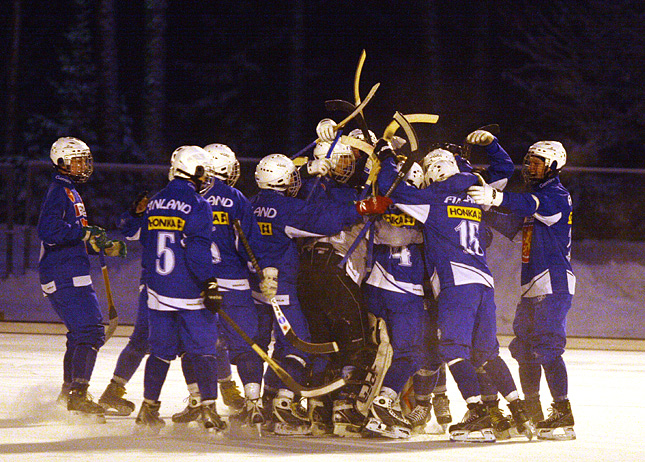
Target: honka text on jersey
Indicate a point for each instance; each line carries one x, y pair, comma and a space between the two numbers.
399, 219
168, 223
468, 213
172, 204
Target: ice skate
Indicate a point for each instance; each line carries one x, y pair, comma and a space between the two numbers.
249, 417
533, 409
289, 418
387, 421
320, 412
80, 403
113, 402
210, 418
441, 405
500, 423
520, 420
348, 421
191, 413
231, 395
148, 420
475, 427
559, 424
420, 416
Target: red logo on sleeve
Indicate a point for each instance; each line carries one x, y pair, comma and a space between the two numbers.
527, 235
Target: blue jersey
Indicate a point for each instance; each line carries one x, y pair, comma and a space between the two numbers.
281, 219
451, 219
229, 255
176, 242
63, 258
546, 238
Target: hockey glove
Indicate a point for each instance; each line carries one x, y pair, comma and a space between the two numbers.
138, 207
115, 249
269, 283
485, 194
375, 205
326, 130
383, 149
93, 231
212, 297
319, 167
480, 138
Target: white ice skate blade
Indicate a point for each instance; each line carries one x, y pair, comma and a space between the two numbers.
393, 432
347, 431
485, 435
283, 429
557, 434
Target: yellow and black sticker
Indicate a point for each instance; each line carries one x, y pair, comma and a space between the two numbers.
399, 219
265, 228
220, 218
469, 213
168, 223
570, 218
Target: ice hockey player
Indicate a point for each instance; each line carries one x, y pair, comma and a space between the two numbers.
183, 294
456, 264
394, 292
64, 269
331, 297
282, 218
232, 273
545, 215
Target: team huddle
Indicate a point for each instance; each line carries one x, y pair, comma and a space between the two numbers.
362, 270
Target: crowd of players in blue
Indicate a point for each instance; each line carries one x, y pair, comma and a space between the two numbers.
409, 301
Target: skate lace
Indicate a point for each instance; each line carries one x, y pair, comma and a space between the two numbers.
554, 414
419, 414
441, 405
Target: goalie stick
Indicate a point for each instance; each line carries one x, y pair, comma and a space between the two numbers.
283, 375
283, 322
113, 316
410, 159
343, 122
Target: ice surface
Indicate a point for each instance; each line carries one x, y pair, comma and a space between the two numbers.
606, 391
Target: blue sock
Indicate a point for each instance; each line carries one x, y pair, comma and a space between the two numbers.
466, 377
155, 375
557, 378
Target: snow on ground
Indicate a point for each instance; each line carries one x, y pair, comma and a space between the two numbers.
606, 391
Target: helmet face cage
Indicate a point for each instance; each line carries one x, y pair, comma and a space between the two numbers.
278, 172
69, 153
439, 164
552, 153
343, 161
225, 165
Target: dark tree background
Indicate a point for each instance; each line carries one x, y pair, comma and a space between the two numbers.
136, 79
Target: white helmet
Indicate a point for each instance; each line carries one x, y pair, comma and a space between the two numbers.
553, 155
191, 163
343, 161
415, 176
67, 148
358, 133
278, 172
439, 164
224, 164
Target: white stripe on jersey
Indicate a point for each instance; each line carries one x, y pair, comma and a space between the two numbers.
380, 278
292, 233
233, 284
465, 274
161, 303
550, 220
420, 212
